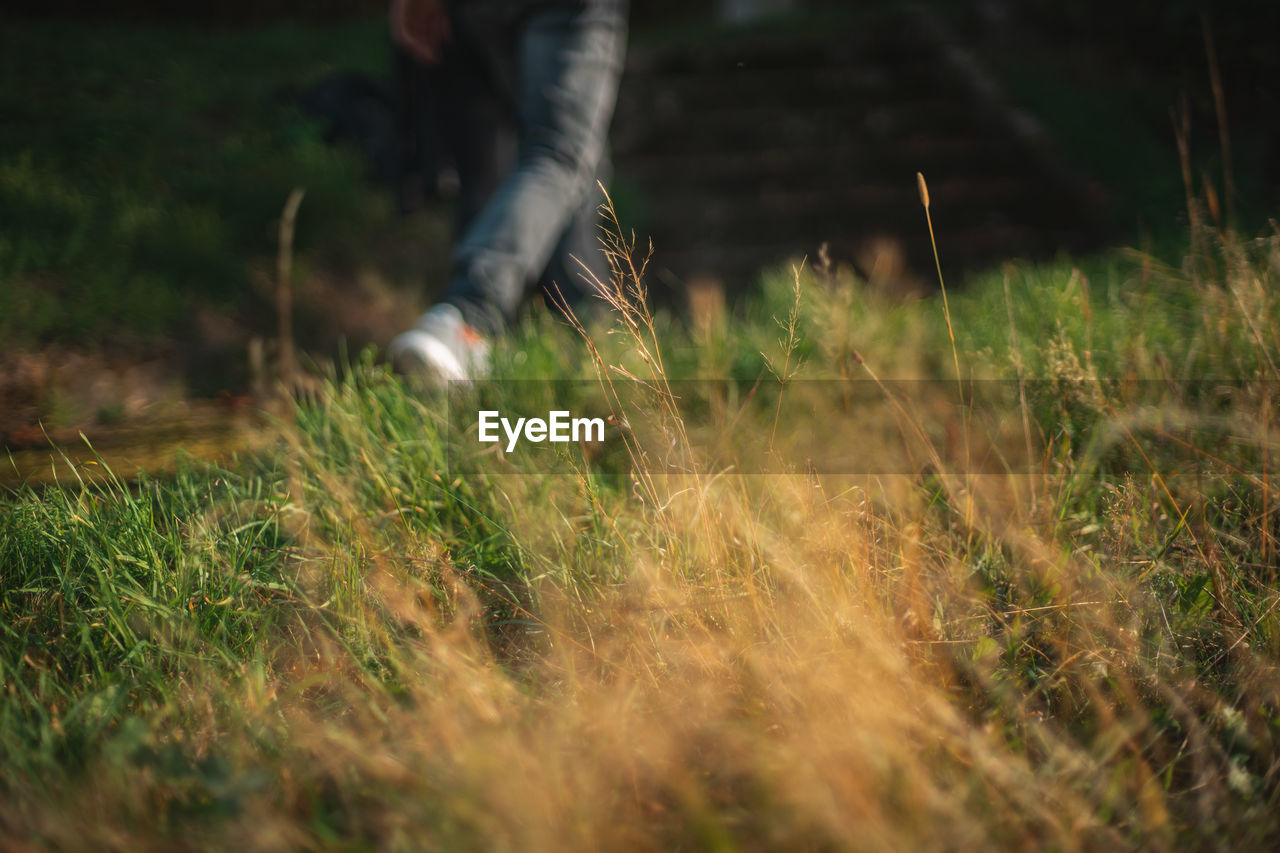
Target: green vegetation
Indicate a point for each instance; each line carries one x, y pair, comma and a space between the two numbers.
372, 636
143, 169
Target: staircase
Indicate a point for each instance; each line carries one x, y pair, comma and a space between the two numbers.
757, 147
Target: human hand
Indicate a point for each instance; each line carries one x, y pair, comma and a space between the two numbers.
422, 26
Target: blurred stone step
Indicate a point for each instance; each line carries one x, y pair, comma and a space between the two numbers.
882, 43
872, 253
822, 163
740, 129
788, 88
992, 199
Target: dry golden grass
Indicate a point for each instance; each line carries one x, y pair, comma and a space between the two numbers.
712, 660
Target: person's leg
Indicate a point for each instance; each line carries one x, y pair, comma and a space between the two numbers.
569, 66
579, 261
477, 121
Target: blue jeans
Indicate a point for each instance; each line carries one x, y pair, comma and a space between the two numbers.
541, 217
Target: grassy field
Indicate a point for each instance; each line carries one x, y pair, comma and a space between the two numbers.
368, 634
144, 169
346, 642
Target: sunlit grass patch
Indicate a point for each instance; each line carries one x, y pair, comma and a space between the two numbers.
378, 634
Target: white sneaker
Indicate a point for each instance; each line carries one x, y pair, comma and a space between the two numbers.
441, 346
